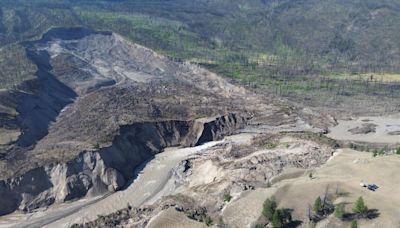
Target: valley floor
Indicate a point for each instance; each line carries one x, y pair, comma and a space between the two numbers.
293, 188
381, 129
154, 180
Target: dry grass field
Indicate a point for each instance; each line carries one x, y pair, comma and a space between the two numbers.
343, 173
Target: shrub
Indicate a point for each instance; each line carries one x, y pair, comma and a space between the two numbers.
382, 151
208, 221
96, 146
227, 197
270, 146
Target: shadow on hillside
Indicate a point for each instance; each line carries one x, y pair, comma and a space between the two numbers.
294, 224
137, 172
371, 214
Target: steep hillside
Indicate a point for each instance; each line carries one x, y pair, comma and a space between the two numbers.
356, 35
318, 53
94, 94
98, 107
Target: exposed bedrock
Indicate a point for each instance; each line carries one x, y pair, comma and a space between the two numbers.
94, 173
224, 125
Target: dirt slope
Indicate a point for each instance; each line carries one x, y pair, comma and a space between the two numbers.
100, 107
107, 105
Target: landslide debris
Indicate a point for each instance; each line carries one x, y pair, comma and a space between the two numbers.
99, 106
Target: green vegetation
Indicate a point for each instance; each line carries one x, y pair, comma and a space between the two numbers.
398, 151
270, 146
339, 211
278, 217
317, 208
354, 224
96, 146
208, 221
322, 207
382, 151
281, 218
200, 214
360, 208
308, 50
269, 208
14, 66
227, 197
375, 153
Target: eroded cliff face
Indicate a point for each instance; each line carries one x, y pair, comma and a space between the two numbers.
103, 106
94, 173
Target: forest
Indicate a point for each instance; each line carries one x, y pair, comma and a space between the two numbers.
311, 51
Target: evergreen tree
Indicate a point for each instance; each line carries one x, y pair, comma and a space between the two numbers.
317, 205
281, 217
339, 211
287, 216
277, 219
360, 208
269, 208
354, 224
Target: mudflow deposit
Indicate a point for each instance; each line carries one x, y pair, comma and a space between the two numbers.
110, 133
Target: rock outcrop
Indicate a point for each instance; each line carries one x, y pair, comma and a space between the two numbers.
108, 169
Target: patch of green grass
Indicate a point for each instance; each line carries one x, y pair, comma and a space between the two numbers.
170, 37
15, 67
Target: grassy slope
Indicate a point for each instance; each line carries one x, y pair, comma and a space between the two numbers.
14, 66
365, 32
280, 45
